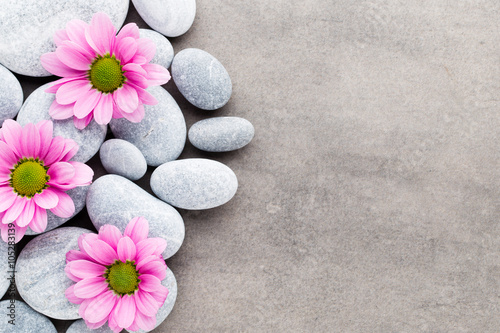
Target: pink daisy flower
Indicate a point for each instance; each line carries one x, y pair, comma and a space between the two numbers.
35, 172
104, 75
118, 277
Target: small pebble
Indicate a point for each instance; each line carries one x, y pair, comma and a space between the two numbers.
17, 317
123, 158
11, 95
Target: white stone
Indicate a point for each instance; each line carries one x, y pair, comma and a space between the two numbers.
25, 319
164, 50
123, 158
11, 95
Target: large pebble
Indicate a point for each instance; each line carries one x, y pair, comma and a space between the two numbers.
36, 108
25, 319
161, 135
11, 95
194, 183
27, 28
221, 134
164, 50
201, 79
116, 200
41, 280
123, 158
169, 17
6, 267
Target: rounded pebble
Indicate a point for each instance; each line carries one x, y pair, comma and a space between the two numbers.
11, 95
201, 79
6, 267
21, 318
164, 50
123, 158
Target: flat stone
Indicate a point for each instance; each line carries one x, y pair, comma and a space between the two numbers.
25, 319
164, 50
194, 183
41, 280
5, 267
79, 326
169, 17
11, 95
201, 79
161, 135
115, 200
36, 108
123, 158
27, 28
221, 134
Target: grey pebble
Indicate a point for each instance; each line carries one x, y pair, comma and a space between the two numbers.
164, 50
26, 320
11, 95
6, 267
194, 183
36, 108
220, 134
201, 79
161, 135
123, 158
115, 200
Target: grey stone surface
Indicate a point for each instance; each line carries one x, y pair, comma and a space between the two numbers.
115, 200
194, 183
164, 50
36, 108
201, 79
169, 17
11, 95
25, 319
27, 28
221, 134
79, 326
161, 135
41, 280
123, 158
5, 267
78, 194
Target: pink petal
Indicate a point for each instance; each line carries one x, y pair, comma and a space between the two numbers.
7, 157
61, 173
126, 49
20, 233
86, 269
157, 75
83, 307
27, 214
82, 123
124, 311
135, 68
90, 287
58, 83
126, 249
156, 267
30, 141
136, 116
146, 303
70, 275
137, 79
51, 63
100, 34
58, 111
126, 98
14, 211
8, 197
39, 222
76, 33
137, 229
110, 234
161, 245
150, 246
100, 307
48, 199
149, 282
160, 295
94, 326
70, 295
60, 36
144, 322
72, 91
112, 323
55, 150
104, 109
76, 255
129, 30
146, 48
86, 103
12, 133
45, 128
74, 56
70, 149
100, 251
65, 207
140, 60
83, 175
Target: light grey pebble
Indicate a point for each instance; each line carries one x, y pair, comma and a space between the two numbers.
123, 158
194, 183
6, 267
115, 200
169, 17
221, 134
161, 135
27, 28
41, 280
11, 95
164, 50
36, 108
79, 326
201, 79
25, 319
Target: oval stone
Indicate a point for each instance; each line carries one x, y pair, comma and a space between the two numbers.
36, 108
164, 50
161, 135
221, 134
11, 95
123, 158
41, 280
6, 267
194, 183
169, 17
115, 200
27, 28
26, 319
201, 79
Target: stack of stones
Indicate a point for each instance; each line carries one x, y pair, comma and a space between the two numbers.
26, 31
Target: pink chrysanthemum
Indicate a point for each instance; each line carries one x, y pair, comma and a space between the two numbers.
35, 172
104, 75
118, 278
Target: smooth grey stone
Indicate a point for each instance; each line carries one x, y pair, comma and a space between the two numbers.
11, 95
6, 267
164, 50
169, 17
41, 280
201, 79
115, 200
194, 183
27, 28
161, 135
221, 134
79, 326
167, 307
25, 319
36, 108
123, 158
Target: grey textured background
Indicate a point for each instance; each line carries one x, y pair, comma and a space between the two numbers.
368, 200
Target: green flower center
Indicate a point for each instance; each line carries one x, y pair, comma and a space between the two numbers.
122, 277
29, 177
106, 74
